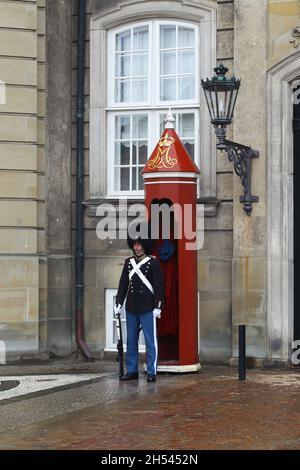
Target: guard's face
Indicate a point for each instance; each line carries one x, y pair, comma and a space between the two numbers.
138, 249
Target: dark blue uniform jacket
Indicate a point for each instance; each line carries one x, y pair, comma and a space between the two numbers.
139, 297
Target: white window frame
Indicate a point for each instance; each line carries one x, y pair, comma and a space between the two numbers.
153, 66
111, 142
111, 66
153, 137
111, 321
197, 135
199, 14
153, 106
156, 69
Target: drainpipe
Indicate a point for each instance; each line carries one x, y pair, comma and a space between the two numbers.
79, 257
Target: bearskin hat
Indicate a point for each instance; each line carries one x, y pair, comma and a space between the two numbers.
140, 232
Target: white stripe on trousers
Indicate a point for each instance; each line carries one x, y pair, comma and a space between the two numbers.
155, 343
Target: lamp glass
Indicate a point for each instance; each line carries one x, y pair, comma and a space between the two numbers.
221, 94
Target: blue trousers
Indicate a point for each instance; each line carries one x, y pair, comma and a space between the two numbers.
148, 323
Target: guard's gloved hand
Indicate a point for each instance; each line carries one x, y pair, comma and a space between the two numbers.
117, 309
157, 312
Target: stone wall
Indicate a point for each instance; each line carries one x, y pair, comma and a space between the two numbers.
59, 254
215, 259
22, 164
283, 39
252, 36
283, 74
103, 261
250, 233
38, 164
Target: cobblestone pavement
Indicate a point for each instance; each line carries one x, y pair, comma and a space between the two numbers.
208, 410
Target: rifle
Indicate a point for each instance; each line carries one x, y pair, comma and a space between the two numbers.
120, 346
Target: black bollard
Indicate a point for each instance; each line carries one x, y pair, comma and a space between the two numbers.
242, 352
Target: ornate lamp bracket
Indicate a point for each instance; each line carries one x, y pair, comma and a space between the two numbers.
240, 155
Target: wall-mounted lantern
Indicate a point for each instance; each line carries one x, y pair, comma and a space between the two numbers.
221, 95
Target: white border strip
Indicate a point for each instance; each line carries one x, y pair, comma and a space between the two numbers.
175, 368
155, 343
171, 182
171, 174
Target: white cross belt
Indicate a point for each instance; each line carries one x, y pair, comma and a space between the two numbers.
136, 270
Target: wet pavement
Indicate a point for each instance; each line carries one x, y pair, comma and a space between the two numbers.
208, 410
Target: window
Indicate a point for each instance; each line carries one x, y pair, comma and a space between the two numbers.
143, 68
111, 324
130, 143
152, 66
177, 62
185, 124
131, 60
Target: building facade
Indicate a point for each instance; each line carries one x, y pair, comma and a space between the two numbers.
142, 57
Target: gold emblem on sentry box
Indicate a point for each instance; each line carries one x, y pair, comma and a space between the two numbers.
162, 159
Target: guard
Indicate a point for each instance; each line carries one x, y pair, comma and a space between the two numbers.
142, 281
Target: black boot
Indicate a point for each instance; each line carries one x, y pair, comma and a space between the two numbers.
129, 376
151, 378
